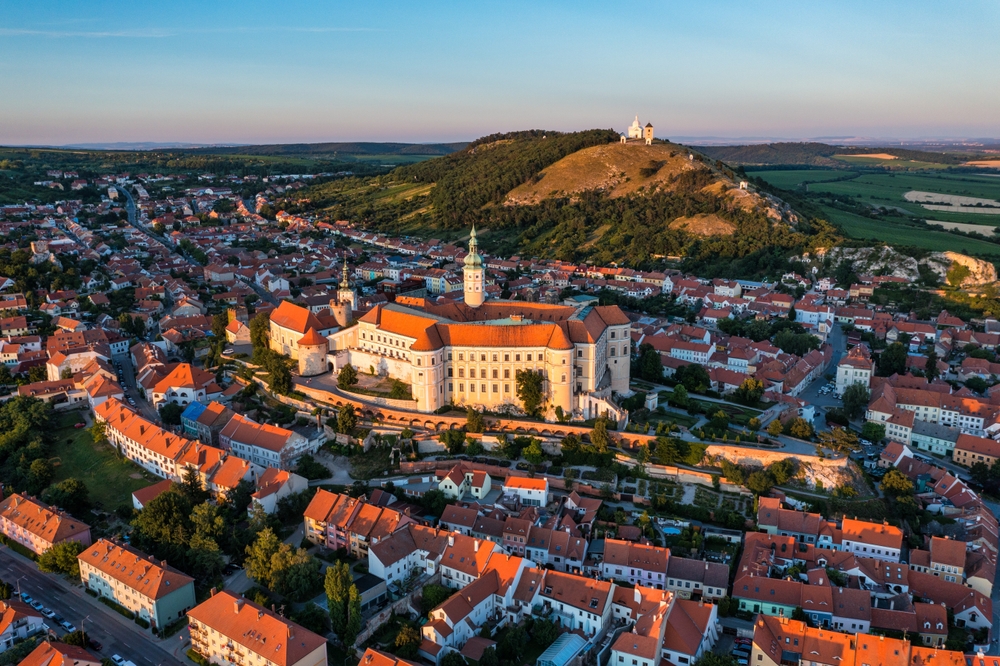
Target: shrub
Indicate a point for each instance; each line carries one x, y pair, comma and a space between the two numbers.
141, 622
196, 657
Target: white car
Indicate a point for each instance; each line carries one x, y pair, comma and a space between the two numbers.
118, 659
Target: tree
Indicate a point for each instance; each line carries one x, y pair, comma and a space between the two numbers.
61, 558
336, 586
454, 441
750, 391
977, 384
839, 439
474, 421
294, 572
930, 368
407, 641
856, 397
599, 437
454, 659
219, 323
279, 376
774, 428
529, 391
753, 423
712, 659
489, 657
435, 501
259, 554
170, 413
433, 595
679, 398
534, 453
799, 427
783, 470
694, 377
347, 377
260, 331
895, 484
760, 482
70, 494
650, 363
957, 274
347, 421
353, 616
873, 431
40, 474
191, 486
892, 360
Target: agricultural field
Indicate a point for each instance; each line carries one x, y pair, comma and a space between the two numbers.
908, 198
899, 230
790, 179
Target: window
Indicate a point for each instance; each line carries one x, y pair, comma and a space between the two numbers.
450, 385
517, 357
528, 357
612, 335
495, 388
449, 356
482, 357
506, 374
460, 356
461, 372
496, 374
506, 388
494, 358
461, 387
579, 353
482, 388
506, 357
450, 372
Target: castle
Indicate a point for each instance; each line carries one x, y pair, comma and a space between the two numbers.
470, 352
637, 133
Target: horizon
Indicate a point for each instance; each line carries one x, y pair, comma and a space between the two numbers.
247, 74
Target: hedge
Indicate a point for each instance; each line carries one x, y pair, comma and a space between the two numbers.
196, 657
18, 548
142, 622
118, 607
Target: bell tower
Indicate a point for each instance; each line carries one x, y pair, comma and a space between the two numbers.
475, 288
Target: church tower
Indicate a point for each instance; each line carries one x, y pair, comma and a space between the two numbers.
346, 302
475, 283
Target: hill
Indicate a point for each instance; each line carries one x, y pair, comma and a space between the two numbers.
579, 196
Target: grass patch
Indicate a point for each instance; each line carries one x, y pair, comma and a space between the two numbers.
371, 464
109, 478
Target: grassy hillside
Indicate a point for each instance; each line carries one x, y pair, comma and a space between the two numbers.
352, 149
579, 197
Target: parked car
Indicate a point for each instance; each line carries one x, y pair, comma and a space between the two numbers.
118, 659
49, 613
94, 645
37, 605
67, 626
80, 425
26, 598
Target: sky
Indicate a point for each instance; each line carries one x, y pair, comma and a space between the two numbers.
277, 72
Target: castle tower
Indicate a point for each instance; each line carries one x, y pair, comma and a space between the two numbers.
475, 282
312, 353
648, 133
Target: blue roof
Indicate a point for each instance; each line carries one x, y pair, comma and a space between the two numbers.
193, 411
562, 651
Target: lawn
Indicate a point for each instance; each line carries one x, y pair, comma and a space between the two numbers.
109, 479
681, 419
737, 415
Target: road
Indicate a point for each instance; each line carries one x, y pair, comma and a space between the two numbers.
127, 381
117, 634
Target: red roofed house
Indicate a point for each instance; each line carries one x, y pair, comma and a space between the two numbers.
39, 527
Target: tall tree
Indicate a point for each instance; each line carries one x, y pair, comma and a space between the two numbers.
892, 360
529, 391
259, 554
336, 585
855, 400
930, 368
353, 615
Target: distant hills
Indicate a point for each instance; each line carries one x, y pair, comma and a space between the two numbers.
822, 154
332, 149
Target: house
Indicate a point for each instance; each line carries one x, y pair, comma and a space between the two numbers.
338, 521
184, 384
39, 527
529, 492
274, 485
206, 421
970, 450
152, 590
461, 479
59, 654
18, 621
856, 367
881, 541
226, 620
266, 445
575, 602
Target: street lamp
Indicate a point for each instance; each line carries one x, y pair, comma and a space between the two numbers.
19, 587
83, 633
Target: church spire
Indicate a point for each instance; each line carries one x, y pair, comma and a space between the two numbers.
344, 283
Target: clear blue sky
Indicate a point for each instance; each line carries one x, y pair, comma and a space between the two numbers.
219, 71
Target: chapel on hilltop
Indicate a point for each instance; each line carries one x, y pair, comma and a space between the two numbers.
639, 134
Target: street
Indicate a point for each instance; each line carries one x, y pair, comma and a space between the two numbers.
117, 634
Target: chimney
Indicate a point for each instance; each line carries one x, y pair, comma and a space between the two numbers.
238, 605
451, 539
213, 592
475, 545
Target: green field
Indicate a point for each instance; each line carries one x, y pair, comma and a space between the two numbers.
109, 478
900, 231
857, 160
790, 179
